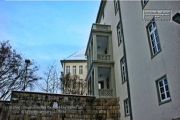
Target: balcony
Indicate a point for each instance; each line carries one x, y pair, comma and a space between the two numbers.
99, 48
103, 57
105, 93
103, 48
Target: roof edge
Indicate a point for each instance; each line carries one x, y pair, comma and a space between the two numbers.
102, 4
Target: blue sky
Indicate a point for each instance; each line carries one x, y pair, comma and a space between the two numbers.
47, 31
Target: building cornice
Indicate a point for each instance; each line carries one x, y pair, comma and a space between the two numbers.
95, 30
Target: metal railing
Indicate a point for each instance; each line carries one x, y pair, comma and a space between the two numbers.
105, 92
103, 57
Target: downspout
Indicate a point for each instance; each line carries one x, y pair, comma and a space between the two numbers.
124, 50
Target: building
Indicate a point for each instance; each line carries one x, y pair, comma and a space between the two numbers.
136, 58
75, 65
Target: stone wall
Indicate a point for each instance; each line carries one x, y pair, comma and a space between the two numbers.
3, 111
45, 106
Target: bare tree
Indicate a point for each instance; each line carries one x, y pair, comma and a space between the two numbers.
72, 84
51, 81
13, 71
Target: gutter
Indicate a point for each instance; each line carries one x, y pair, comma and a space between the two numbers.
124, 49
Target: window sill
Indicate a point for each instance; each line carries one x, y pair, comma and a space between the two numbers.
116, 11
124, 81
152, 56
119, 44
126, 115
169, 100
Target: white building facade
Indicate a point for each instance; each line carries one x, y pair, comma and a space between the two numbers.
136, 60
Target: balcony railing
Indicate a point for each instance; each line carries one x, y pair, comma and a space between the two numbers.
105, 92
103, 57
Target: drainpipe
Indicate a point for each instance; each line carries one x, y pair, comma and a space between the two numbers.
124, 50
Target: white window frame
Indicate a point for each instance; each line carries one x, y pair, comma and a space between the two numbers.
163, 90
67, 69
116, 7
80, 69
126, 107
74, 70
119, 33
154, 38
123, 70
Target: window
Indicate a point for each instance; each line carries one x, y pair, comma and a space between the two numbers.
144, 2
67, 69
126, 107
154, 38
74, 69
80, 69
123, 70
116, 6
119, 33
163, 90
